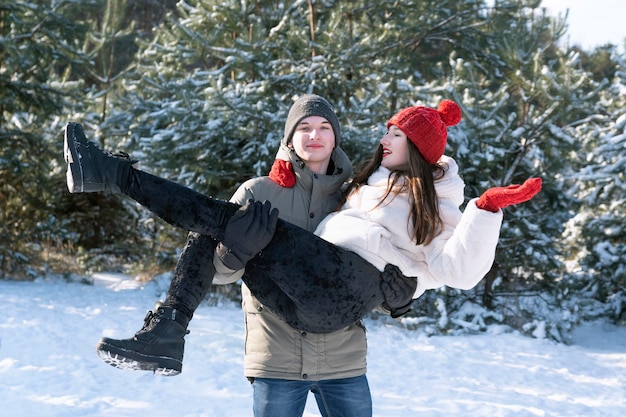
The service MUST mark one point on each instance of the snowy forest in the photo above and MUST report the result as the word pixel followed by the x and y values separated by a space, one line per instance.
pixel 198 91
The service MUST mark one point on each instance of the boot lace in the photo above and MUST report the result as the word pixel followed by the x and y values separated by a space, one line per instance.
pixel 149 321
pixel 152 318
pixel 122 155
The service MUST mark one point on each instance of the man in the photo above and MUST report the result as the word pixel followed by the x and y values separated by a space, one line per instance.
pixel 282 363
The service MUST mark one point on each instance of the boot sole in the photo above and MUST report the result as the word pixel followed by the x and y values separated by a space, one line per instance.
pixel 74 175
pixel 130 360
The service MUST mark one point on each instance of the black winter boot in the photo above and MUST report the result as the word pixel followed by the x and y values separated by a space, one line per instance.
pixel 89 169
pixel 157 347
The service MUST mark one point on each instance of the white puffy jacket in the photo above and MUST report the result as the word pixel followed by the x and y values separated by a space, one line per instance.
pixel 458 257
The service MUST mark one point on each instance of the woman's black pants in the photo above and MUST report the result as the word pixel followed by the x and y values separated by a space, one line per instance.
pixel 309 283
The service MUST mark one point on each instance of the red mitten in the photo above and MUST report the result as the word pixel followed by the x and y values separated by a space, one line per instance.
pixel 282 173
pixel 497 198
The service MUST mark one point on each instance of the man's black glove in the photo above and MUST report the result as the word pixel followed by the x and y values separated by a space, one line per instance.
pixel 398 290
pixel 249 230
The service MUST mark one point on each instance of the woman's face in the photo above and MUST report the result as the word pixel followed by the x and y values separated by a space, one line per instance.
pixel 395 150
pixel 314 141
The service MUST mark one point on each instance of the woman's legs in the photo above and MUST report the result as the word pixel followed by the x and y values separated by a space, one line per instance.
pixel 323 287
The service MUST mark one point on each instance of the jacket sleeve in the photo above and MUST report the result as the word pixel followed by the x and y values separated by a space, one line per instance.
pixel 463 253
pixel 223 274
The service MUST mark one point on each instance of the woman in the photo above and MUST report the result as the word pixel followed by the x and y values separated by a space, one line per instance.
pixel 403 181
pixel 404 205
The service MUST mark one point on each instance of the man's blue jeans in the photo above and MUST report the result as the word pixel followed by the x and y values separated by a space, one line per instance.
pixel 348 397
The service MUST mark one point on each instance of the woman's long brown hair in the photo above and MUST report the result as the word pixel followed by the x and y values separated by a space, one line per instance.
pixel 419 183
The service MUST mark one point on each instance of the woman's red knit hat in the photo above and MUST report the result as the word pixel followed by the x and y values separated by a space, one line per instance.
pixel 426 127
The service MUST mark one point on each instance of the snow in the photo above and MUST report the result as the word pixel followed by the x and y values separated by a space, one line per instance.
pixel 48 366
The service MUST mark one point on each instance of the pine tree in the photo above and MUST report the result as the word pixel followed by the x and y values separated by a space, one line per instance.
pixel 48 75
pixel 596 236
pixel 522 112
pixel 32 49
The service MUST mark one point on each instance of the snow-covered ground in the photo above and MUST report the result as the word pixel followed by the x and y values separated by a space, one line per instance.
pixel 49 328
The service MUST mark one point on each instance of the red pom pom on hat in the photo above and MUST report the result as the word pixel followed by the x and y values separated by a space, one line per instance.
pixel 426 127
pixel 450 112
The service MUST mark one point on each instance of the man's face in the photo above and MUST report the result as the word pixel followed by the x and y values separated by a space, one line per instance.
pixel 314 141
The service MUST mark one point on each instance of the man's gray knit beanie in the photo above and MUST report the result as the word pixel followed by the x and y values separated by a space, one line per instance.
pixel 310 105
